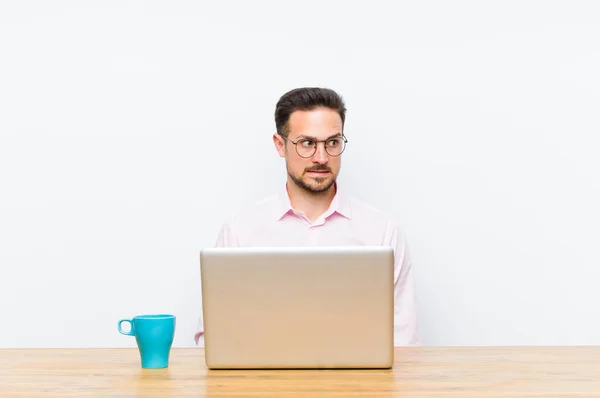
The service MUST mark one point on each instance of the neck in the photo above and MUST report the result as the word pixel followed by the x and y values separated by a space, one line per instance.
pixel 310 203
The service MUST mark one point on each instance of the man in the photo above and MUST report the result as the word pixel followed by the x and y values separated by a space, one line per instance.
pixel 311 209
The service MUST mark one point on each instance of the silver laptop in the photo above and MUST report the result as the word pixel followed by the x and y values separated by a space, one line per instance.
pixel 298 307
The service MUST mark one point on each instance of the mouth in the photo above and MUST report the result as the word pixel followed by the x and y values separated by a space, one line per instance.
pixel 320 173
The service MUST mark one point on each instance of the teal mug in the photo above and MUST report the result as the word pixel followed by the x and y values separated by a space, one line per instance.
pixel 154 336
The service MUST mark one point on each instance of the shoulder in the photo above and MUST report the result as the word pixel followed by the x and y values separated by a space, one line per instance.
pixel 362 210
pixel 252 212
pixel 376 219
pixel 241 223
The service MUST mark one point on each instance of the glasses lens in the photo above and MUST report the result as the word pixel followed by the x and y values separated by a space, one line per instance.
pixel 335 146
pixel 305 148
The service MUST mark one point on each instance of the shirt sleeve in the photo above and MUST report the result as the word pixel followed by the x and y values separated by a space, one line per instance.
pixel 226 238
pixel 405 309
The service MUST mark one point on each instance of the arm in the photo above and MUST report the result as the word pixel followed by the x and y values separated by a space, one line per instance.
pixel 405 309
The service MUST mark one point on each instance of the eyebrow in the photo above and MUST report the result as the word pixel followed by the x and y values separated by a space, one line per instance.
pixel 303 136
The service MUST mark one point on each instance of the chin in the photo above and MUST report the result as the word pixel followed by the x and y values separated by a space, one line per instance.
pixel 313 185
pixel 321 186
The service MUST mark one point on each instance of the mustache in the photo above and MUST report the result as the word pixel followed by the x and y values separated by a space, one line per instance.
pixel 318 168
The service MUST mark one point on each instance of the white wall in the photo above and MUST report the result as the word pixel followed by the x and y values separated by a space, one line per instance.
pixel 130 130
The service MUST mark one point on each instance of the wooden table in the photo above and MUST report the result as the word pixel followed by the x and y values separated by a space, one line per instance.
pixel 418 372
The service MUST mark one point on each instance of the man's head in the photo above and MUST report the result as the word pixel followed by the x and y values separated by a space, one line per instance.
pixel 310 127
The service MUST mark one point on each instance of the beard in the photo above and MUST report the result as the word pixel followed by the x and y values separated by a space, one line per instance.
pixel 320 185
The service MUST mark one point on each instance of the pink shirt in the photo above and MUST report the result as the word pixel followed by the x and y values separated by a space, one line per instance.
pixel 348 221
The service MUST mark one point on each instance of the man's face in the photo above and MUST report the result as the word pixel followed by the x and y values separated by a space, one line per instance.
pixel 317 173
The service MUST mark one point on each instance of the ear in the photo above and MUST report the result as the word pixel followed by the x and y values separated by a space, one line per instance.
pixel 279 144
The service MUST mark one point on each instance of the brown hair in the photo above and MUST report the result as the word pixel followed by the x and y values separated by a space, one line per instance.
pixel 306 99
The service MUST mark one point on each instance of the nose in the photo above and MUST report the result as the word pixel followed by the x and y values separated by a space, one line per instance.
pixel 321 156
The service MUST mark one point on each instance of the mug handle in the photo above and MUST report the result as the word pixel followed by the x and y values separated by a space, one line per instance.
pixel 131 331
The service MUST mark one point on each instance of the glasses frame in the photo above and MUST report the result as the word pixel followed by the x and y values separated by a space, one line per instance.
pixel 343 137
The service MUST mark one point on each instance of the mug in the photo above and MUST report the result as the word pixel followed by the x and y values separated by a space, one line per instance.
pixel 154 336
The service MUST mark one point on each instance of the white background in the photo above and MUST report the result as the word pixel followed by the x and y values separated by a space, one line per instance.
pixel 130 130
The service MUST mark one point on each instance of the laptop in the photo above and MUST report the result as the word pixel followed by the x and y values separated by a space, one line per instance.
pixel 298 307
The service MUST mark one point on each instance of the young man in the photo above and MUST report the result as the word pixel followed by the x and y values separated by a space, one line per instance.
pixel 311 209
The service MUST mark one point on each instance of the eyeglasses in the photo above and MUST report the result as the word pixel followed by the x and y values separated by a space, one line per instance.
pixel 307 147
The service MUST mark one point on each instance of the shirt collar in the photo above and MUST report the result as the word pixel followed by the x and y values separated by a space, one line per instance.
pixel 340 204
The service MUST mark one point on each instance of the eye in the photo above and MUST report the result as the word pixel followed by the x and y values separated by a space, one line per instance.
pixel 307 143
pixel 333 142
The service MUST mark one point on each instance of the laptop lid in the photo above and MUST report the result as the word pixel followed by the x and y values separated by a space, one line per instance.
pixel 298 307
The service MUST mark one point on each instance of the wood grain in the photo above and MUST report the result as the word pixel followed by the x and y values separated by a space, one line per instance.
pixel 418 372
